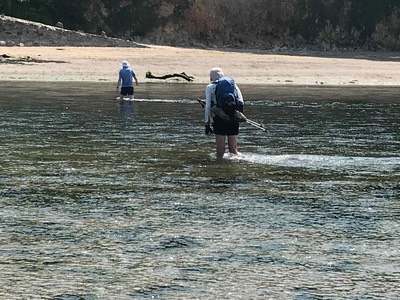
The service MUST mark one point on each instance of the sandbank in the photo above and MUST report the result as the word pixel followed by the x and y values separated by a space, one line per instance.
pixel 247 67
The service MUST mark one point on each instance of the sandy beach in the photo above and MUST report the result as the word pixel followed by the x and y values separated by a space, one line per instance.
pixel 247 67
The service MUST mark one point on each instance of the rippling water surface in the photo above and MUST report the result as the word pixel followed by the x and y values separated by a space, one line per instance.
pixel 103 200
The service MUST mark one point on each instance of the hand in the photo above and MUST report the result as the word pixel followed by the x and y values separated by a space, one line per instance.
pixel 208 130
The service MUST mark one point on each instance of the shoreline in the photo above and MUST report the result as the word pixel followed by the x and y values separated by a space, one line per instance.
pixel 101 64
pixel 192 91
pixel 32 80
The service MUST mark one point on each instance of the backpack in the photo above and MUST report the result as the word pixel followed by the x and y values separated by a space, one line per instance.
pixel 226 95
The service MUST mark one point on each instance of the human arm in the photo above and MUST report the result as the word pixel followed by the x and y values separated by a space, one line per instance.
pixel 240 99
pixel 136 81
pixel 210 93
pixel 119 82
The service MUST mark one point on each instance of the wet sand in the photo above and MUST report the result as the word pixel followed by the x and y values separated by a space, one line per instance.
pixel 247 67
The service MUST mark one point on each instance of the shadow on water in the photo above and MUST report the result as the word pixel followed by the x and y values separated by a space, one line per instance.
pixel 108 200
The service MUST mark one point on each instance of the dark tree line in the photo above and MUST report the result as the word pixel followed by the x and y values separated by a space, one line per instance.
pixel 344 22
pixel 47 11
pixel 368 24
pixel 85 15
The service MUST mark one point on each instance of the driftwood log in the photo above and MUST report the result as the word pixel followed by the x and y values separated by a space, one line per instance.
pixel 180 75
pixel 7 59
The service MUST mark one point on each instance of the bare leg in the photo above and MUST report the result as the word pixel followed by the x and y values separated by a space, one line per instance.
pixel 220 142
pixel 232 144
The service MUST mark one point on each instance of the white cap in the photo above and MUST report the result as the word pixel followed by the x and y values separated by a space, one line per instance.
pixel 125 63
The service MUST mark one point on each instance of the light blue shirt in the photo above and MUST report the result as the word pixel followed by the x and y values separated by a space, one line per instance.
pixel 126 74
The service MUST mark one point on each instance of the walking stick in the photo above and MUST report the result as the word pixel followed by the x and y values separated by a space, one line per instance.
pixel 238 116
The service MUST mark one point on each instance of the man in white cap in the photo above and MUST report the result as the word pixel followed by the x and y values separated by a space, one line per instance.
pixel 222 127
pixel 125 80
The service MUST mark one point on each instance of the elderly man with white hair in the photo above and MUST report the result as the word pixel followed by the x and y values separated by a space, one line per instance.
pixel 125 79
pixel 222 126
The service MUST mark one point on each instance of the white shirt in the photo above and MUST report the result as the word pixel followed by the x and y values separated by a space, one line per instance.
pixel 211 101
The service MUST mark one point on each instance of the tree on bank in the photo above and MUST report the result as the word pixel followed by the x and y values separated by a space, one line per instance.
pixel 321 24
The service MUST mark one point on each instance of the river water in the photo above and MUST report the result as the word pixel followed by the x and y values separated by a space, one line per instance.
pixel 103 200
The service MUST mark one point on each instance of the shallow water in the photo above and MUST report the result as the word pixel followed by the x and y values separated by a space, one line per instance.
pixel 103 200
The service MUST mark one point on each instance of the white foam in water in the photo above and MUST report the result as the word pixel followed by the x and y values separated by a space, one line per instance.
pixel 323 161
pixel 159 100
pixel 230 156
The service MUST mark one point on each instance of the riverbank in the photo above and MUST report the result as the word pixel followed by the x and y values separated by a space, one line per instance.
pixel 101 64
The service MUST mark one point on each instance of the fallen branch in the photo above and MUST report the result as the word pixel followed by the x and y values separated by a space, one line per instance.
pixel 181 75
pixel 7 59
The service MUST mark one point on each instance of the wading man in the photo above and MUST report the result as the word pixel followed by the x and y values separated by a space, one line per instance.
pixel 125 80
pixel 223 97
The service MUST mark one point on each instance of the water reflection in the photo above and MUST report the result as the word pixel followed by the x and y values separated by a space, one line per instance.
pixel 108 201
pixel 125 108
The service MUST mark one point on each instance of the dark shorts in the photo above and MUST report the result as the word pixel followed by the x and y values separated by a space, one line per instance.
pixel 222 127
pixel 127 91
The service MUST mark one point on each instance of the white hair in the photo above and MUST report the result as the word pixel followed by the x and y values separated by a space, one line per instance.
pixel 216 73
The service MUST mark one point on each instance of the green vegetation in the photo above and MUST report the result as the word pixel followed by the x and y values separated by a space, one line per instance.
pixel 324 24
pixel 136 20
pixel 341 23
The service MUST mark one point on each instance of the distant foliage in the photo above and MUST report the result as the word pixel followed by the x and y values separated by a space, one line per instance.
pixel 387 33
pixel 238 22
pixel 341 23
pixel 132 19
pixel 35 10
pixel 320 24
